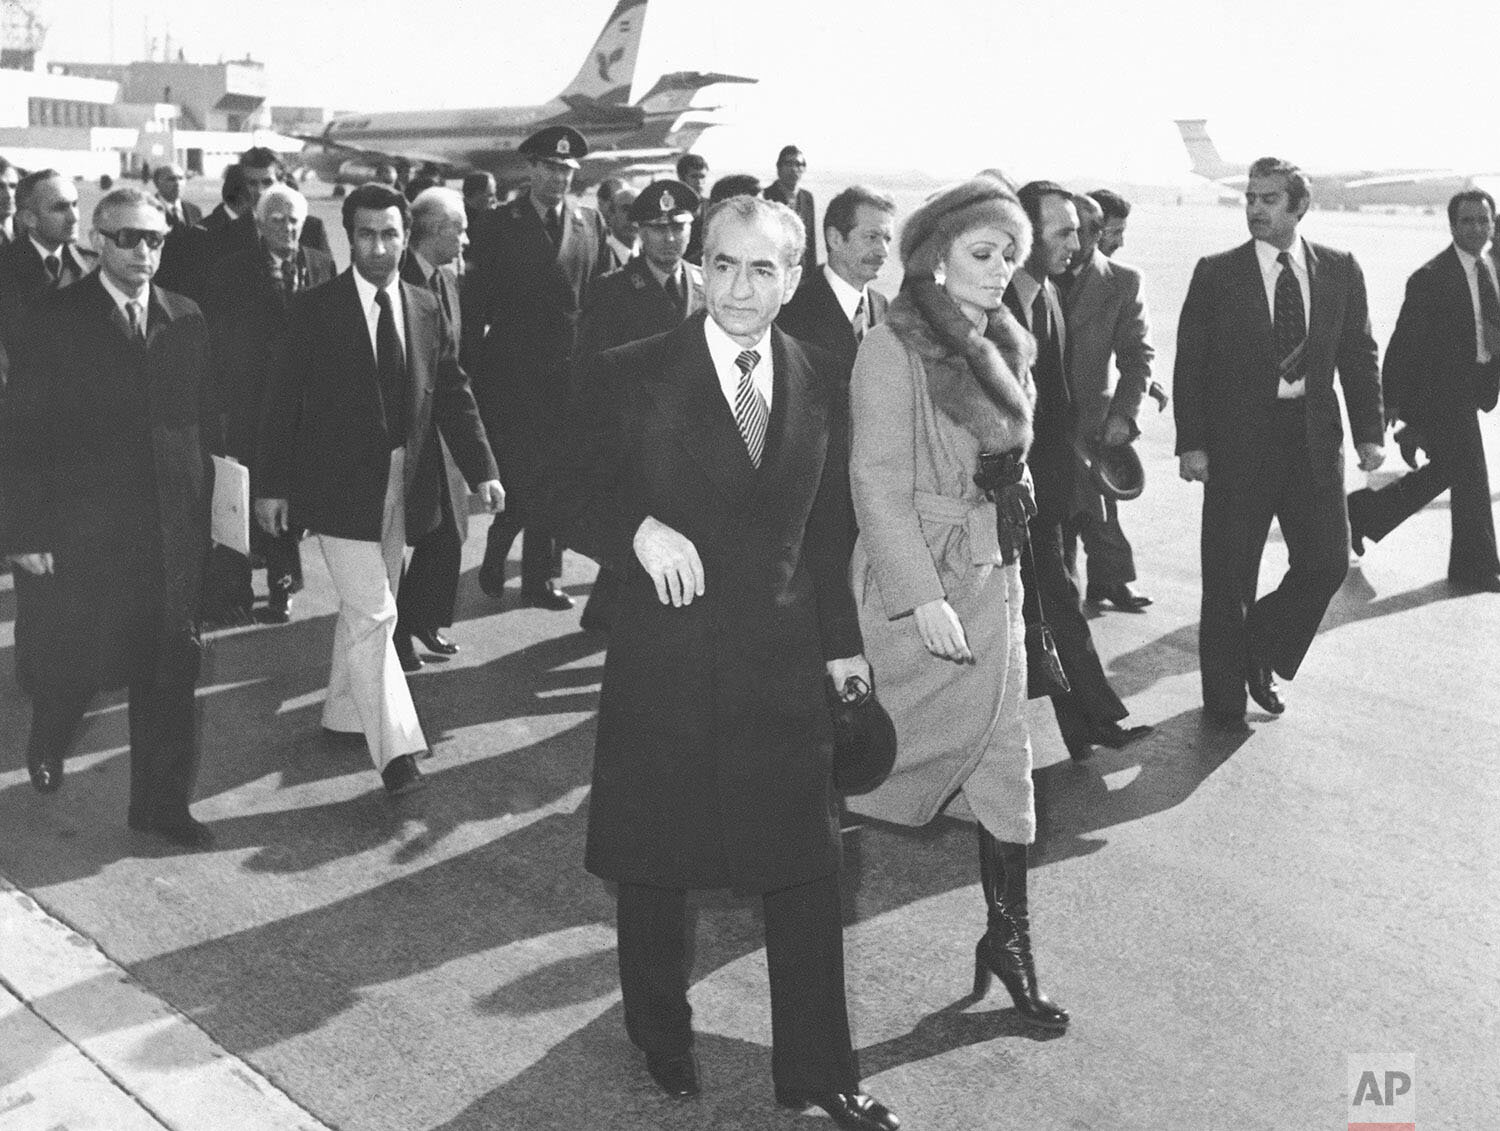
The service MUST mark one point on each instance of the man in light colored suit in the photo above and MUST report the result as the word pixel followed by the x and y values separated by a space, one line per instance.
pixel 1105 314
pixel 369 375
pixel 1263 329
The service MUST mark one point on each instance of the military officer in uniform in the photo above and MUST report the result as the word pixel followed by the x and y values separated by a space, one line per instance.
pixel 536 259
pixel 650 295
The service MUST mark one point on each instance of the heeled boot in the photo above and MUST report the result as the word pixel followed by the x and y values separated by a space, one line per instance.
pixel 1004 950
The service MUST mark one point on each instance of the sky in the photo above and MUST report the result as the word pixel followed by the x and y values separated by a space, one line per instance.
pixel 1039 87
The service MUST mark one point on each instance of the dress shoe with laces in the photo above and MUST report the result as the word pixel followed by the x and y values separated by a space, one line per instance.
pixel 46 772
pixel 1260 681
pixel 547 596
pixel 402 776
pixel 1121 596
pixel 435 642
pixel 185 832
pixel 675 1073
pixel 854 1110
pixel 407 654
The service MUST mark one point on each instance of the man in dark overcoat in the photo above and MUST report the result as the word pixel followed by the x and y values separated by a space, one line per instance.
pixel 535 260
pixel 105 486
pixel 246 304
pixel 1441 369
pixel 709 467
pixel 1263 328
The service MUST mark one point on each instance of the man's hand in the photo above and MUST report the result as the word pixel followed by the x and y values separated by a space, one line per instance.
pixel 37 564
pixel 1116 431
pixel 942 632
pixel 1193 466
pixel 1371 456
pixel 493 495
pixel 1158 394
pixel 671 560
pixel 272 514
pixel 840 670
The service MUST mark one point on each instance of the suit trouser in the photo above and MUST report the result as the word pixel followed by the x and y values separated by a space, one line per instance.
pixel 1237 512
pixel 811 1050
pixel 429 588
pixel 1092 701
pixel 36 623
pixel 1456 464
pixel 163 737
pixel 1111 560
pixel 367 689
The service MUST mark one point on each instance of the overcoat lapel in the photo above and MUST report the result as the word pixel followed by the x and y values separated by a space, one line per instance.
pixel 796 434
pixel 700 417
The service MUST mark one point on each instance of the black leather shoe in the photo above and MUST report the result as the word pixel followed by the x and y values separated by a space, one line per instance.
pixel 848 1109
pixel 402 776
pixel 548 596
pixel 1117 737
pixel 1260 681
pixel 410 661
pixel 278 608
pixel 492 579
pixel 1121 596
pixel 46 772
pixel 185 833
pixel 435 642
pixel 675 1073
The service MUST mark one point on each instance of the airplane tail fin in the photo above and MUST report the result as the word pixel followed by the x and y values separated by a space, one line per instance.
pixel 1202 150
pixel 609 69
pixel 674 92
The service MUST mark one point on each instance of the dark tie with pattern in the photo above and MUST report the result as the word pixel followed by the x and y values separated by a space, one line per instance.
pixel 750 411
pixel 133 316
pixel 1489 309
pixel 861 319
pixel 53 264
pixel 289 277
pixel 390 366
pixel 1290 322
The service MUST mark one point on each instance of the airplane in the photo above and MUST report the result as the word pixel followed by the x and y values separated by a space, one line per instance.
pixel 625 139
pixel 1420 188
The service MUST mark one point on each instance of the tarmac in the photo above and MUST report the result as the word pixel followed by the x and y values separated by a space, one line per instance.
pixel 1239 924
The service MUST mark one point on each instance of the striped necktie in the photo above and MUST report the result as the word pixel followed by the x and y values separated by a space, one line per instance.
pixel 750 411
pixel 861 319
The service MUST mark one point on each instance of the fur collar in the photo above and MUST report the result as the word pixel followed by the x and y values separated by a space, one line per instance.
pixel 982 383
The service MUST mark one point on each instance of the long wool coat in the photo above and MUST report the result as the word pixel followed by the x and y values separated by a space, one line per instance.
pixel 712 766
pixel 927 532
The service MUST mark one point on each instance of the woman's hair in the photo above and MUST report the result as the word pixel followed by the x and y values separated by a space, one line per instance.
pixel 983 201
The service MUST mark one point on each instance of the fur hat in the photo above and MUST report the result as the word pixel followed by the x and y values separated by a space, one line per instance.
pixel 984 201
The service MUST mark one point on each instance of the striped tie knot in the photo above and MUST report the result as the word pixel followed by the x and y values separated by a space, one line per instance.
pixel 750 411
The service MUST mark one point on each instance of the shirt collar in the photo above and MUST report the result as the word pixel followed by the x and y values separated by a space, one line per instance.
pixel 543 210
pixel 660 275
pixel 427 269
pixel 61 253
pixel 724 349
pixel 367 290
pixel 849 297
pixel 121 298
pixel 1266 253
pixel 1469 261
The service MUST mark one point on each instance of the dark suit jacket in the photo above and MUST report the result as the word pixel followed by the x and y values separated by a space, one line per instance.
pixel 814 315
pixel 1429 364
pixel 247 316
pixel 191 214
pixel 804 206
pixel 103 465
pixel 23 280
pixel 712 764
pixel 323 438
pixel 1225 377
pixel 217 218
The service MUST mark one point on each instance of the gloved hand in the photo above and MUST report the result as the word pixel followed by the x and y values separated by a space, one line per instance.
pixel 1015 505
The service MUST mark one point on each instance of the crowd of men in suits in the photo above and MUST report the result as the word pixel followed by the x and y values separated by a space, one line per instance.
pixel 577 357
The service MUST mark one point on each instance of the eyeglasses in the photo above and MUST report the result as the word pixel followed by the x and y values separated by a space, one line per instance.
pixel 128 238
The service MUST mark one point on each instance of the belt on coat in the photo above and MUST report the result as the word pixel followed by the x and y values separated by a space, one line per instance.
pixel 977 517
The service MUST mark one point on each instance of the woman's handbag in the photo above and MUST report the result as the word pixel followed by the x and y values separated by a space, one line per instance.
pixel 864 738
pixel 1044 670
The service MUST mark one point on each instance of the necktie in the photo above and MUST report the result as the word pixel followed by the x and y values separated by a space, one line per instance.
pixel 133 316
pixel 390 366
pixel 1489 309
pixel 750 411
pixel 1289 322
pixel 54 270
pixel 288 277
pixel 555 227
pixel 860 319
pixel 674 291
pixel 440 288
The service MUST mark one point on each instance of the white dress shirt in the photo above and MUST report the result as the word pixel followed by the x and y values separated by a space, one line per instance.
pixel 366 291
pixel 1472 264
pixel 1270 271
pixel 723 350
pixel 121 298
pixel 849 298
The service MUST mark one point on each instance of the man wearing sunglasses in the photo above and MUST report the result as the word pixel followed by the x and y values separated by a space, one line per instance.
pixel 104 486
pixel 44 256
